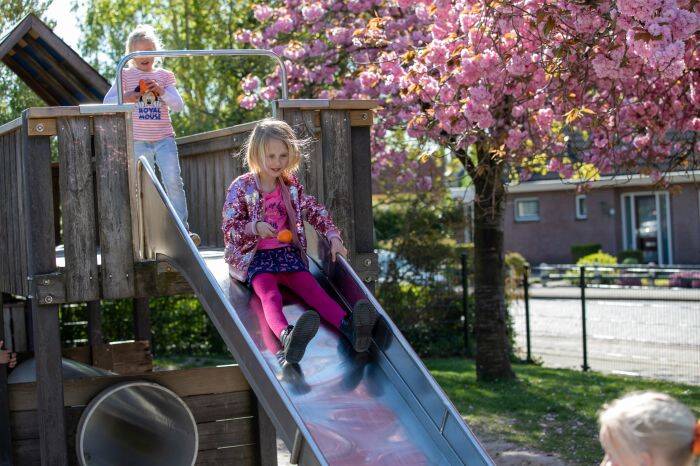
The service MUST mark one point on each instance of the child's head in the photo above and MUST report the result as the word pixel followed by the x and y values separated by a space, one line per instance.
pixel 649 429
pixel 144 37
pixel 273 149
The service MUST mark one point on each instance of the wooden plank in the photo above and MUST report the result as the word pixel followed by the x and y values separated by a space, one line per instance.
pixel 266 438
pixel 11 125
pixel 53 66
pixel 94 312
pixel 29 80
pixel 56 203
pixel 228 433
pixel 12 225
pixel 209 135
pixel 361 118
pixel 5 434
pixel 21 215
pixel 337 173
pixel 19 31
pixel 362 203
pixel 5 247
pixel 78 208
pixel 25 423
pixel 79 353
pixel 142 319
pixel 336 104
pixel 19 327
pixel 221 185
pixel 46 78
pixel 209 408
pixel 243 455
pixel 200 381
pixel 114 207
pixel 213 224
pixel 42 127
pixel 48 391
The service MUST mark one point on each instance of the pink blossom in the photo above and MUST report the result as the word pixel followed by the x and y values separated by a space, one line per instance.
pixel 262 12
pixel 312 13
pixel 544 118
pixel 268 92
pixel 248 102
pixel 250 83
pixel 368 79
pixel 515 137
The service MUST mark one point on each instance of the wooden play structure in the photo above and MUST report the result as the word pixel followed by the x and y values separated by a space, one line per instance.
pixel 66 179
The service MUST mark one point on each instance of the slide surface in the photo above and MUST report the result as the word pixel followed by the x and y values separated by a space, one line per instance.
pixel 336 407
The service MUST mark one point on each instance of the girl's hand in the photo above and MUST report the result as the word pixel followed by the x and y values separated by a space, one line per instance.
pixel 6 357
pixel 265 230
pixel 131 96
pixel 337 247
pixel 154 86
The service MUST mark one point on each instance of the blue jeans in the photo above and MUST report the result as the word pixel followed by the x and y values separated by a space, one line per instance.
pixel 163 154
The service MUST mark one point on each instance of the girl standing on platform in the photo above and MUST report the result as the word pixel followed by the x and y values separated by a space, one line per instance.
pixel 263 226
pixel 153 91
pixel 649 429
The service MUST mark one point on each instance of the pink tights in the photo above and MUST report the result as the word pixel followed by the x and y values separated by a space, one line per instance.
pixel 304 285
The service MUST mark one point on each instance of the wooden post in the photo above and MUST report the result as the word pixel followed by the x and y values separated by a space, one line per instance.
pixel 94 327
pixel 36 156
pixel 142 320
pixel 337 174
pixel 267 438
pixel 5 436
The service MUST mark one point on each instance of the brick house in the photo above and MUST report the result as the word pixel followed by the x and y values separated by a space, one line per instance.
pixel 544 218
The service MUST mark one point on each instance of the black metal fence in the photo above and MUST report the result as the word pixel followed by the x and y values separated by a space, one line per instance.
pixel 430 304
pixel 632 320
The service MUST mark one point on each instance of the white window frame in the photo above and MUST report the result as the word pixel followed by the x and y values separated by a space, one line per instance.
pixel 528 218
pixel 581 215
pixel 663 260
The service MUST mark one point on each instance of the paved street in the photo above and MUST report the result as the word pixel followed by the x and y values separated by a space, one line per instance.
pixel 657 339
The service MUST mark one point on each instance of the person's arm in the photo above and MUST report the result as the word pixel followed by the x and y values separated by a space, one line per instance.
pixel 317 215
pixel 112 98
pixel 173 99
pixel 236 226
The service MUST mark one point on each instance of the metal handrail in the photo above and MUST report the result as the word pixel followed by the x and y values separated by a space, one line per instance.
pixel 198 53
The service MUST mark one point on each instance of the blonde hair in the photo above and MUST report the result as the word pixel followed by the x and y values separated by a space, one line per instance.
pixel 649 421
pixel 265 131
pixel 142 33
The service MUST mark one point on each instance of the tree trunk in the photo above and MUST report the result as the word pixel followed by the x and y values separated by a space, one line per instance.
pixel 492 347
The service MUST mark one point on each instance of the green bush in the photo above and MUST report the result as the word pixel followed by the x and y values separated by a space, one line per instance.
pixel 515 264
pixel 630 256
pixel 598 258
pixel 580 250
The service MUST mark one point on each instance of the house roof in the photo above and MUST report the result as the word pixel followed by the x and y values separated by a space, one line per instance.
pixel 50 67
pixel 625 180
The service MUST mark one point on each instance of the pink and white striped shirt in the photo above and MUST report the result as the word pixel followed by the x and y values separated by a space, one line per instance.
pixel 151 117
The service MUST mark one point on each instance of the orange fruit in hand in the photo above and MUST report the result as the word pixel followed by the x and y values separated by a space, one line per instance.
pixel 143 87
pixel 284 236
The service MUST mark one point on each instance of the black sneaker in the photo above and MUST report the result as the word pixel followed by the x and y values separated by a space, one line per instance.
pixel 295 337
pixel 358 326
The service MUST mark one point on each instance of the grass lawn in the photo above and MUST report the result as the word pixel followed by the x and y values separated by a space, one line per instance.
pixel 551 410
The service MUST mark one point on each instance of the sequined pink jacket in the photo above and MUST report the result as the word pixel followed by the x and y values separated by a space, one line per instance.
pixel 245 206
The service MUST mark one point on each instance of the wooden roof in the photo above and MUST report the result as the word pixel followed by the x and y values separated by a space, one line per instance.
pixel 50 67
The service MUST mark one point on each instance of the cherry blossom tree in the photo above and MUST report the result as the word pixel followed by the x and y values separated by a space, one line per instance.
pixel 580 88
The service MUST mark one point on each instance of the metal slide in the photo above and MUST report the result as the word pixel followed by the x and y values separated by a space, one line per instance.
pixel 336 407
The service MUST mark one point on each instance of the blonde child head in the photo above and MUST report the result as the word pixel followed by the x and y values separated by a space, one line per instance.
pixel 265 131
pixel 143 37
pixel 650 429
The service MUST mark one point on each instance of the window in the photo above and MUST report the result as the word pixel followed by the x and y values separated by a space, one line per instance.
pixel 527 210
pixel 581 208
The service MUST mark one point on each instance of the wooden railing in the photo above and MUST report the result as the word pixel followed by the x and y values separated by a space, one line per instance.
pixel 13 233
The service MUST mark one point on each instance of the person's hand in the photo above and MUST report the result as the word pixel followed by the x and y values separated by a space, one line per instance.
pixel 6 357
pixel 154 86
pixel 265 230
pixel 337 247
pixel 131 96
